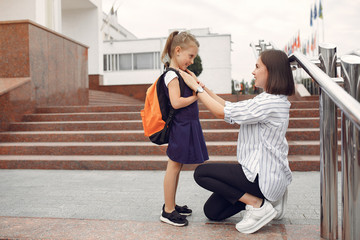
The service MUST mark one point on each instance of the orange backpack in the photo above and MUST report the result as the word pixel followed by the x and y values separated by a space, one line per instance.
pixel 158 113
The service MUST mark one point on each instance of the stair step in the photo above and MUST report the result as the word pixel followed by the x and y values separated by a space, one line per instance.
pixel 76 125
pixel 137 107
pixel 137 125
pixel 129 162
pixel 83 116
pixel 111 116
pixel 293 134
pixel 108 135
pixel 107 98
pixel 134 148
pixel 89 108
pixel 304 104
pixel 74 136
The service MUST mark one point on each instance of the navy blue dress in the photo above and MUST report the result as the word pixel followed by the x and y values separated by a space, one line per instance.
pixel 186 141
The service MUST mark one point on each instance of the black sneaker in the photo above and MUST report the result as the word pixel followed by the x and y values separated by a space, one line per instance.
pixel 173 218
pixel 183 210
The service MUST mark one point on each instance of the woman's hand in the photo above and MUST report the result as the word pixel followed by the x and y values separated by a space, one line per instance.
pixel 201 84
pixel 194 76
pixel 190 79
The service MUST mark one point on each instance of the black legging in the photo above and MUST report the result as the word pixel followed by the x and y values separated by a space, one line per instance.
pixel 228 183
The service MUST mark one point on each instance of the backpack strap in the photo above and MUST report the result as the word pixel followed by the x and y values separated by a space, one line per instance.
pixel 173 111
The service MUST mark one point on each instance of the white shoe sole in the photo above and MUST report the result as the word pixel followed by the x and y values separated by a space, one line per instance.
pixel 185 214
pixel 165 220
pixel 281 213
pixel 262 222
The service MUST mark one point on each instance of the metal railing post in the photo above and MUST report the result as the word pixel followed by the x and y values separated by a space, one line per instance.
pixel 328 149
pixel 350 164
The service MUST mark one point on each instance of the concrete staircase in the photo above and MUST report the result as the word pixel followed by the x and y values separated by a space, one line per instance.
pixel 107 135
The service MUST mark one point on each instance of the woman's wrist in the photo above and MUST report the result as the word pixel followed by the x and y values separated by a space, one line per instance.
pixel 195 87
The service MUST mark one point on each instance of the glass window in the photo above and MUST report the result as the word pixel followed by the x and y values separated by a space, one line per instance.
pixel 105 62
pixel 157 60
pixel 125 61
pixel 132 61
pixel 143 61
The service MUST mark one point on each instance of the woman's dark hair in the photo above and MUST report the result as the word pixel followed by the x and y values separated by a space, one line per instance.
pixel 280 78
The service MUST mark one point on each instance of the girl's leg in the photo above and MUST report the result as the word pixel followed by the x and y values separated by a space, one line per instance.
pixel 177 180
pixel 170 184
pixel 217 208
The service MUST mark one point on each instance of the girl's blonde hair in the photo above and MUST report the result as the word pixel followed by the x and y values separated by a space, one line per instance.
pixel 176 38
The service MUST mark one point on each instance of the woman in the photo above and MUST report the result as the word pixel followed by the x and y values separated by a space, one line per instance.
pixel 262 173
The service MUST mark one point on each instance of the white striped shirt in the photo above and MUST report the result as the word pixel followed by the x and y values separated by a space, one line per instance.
pixel 262 148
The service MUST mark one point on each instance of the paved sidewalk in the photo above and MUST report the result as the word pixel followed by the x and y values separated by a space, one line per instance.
pixel 72 204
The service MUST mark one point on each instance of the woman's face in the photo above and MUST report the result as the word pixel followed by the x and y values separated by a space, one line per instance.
pixel 260 74
pixel 185 57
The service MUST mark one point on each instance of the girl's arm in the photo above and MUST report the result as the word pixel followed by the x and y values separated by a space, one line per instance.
pixel 212 102
pixel 174 94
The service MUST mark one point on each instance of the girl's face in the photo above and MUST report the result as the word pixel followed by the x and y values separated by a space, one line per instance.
pixel 185 57
pixel 260 74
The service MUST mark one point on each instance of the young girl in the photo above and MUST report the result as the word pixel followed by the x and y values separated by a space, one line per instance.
pixel 263 172
pixel 186 141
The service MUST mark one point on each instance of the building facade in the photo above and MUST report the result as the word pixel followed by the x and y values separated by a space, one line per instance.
pixel 137 61
pixel 115 55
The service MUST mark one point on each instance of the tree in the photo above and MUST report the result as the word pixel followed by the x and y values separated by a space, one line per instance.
pixel 254 90
pixel 242 84
pixel 196 67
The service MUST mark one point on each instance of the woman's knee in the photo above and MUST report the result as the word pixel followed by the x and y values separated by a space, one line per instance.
pixel 198 173
pixel 211 213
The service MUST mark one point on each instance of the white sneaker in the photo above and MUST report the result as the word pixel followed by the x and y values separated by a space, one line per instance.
pixel 280 206
pixel 256 218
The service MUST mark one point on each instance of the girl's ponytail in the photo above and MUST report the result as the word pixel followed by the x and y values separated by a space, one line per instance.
pixel 176 38
pixel 166 54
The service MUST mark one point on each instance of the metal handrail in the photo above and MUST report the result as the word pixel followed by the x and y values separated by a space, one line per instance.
pixel 349 105
pixel 323 70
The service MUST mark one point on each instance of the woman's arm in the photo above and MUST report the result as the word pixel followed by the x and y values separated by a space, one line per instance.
pixel 214 104
pixel 174 94
pixel 214 96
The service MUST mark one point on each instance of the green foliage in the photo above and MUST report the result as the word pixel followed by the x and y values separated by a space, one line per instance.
pixel 243 90
pixel 196 67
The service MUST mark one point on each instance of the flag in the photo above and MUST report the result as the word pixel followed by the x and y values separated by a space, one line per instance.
pixel 298 40
pixel 307 46
pixel 320 10
pixel 289 48
pixel 312 42
pixel 315 12
pixel 311 17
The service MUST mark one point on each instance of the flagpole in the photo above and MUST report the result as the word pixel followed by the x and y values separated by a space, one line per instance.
pixel 316 30
pixel 323 28
pixel 323 24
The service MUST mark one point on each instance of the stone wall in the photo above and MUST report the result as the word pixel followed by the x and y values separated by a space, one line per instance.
pixel 56 64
